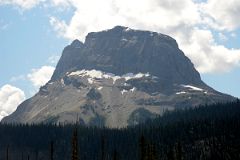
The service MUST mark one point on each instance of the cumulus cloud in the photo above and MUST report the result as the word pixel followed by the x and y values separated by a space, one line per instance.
pixel 176 18
pixel 61 3
pixel 94 15
pixel 59 26
pixel 10 98
pixel 23 4
pixel 190 22
pixel 222 15
pixel 206 54
pixel 40 76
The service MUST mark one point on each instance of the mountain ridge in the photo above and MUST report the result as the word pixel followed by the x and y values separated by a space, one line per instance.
pixel 117 77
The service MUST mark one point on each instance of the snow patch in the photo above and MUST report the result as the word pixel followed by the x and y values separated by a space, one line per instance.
pixel 128 29
pixel 129 76
pixel 99 88
pixel 154 77
pixel 124 91
pixel 95 74
pixel 90 80
pixel 133 89
pixel 111 76
pixel 182 92
pixel 62 81
pixel 193 88
pixel 124 39
pixel 90 73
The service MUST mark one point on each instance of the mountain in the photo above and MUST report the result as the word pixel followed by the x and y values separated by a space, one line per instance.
pixel 118 77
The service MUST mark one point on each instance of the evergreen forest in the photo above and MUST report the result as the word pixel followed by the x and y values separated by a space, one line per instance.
pixel 201 133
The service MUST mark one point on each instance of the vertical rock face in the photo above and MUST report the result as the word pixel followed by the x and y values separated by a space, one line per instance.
pixel 122 50
pixel 118 77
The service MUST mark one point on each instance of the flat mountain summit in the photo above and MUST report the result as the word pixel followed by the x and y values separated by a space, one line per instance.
pixel 116 78
pixel 122 50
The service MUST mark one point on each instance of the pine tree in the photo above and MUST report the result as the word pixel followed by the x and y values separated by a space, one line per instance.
pixel 7 153
pixel 179 154
pixel 22 155
pixel 238 101
pixel 102 148
pixel 36 155
pixel 148 152
pixel 51 150
pixel 171 153
pixel 115 155
pixel 75 145
pixel 142 148
pixel 151 152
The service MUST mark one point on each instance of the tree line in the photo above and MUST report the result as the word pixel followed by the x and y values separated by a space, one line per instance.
pixel 204 132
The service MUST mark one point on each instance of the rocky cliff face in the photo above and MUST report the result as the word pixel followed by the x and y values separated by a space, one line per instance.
pixel 118 77
pixel 122 50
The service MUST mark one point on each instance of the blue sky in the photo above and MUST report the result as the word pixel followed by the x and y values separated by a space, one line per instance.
pixel 26 43
pixel 33 34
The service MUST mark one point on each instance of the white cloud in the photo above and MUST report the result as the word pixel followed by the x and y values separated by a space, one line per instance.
pixel 41 76
pixel 64 3
pixel 206 54
pixel 38 77
pixel 10 98
pixel 95 15
pixel 222 14
pixel 59 26
pixel 190 22
pixel 176 18
pixel 23 4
